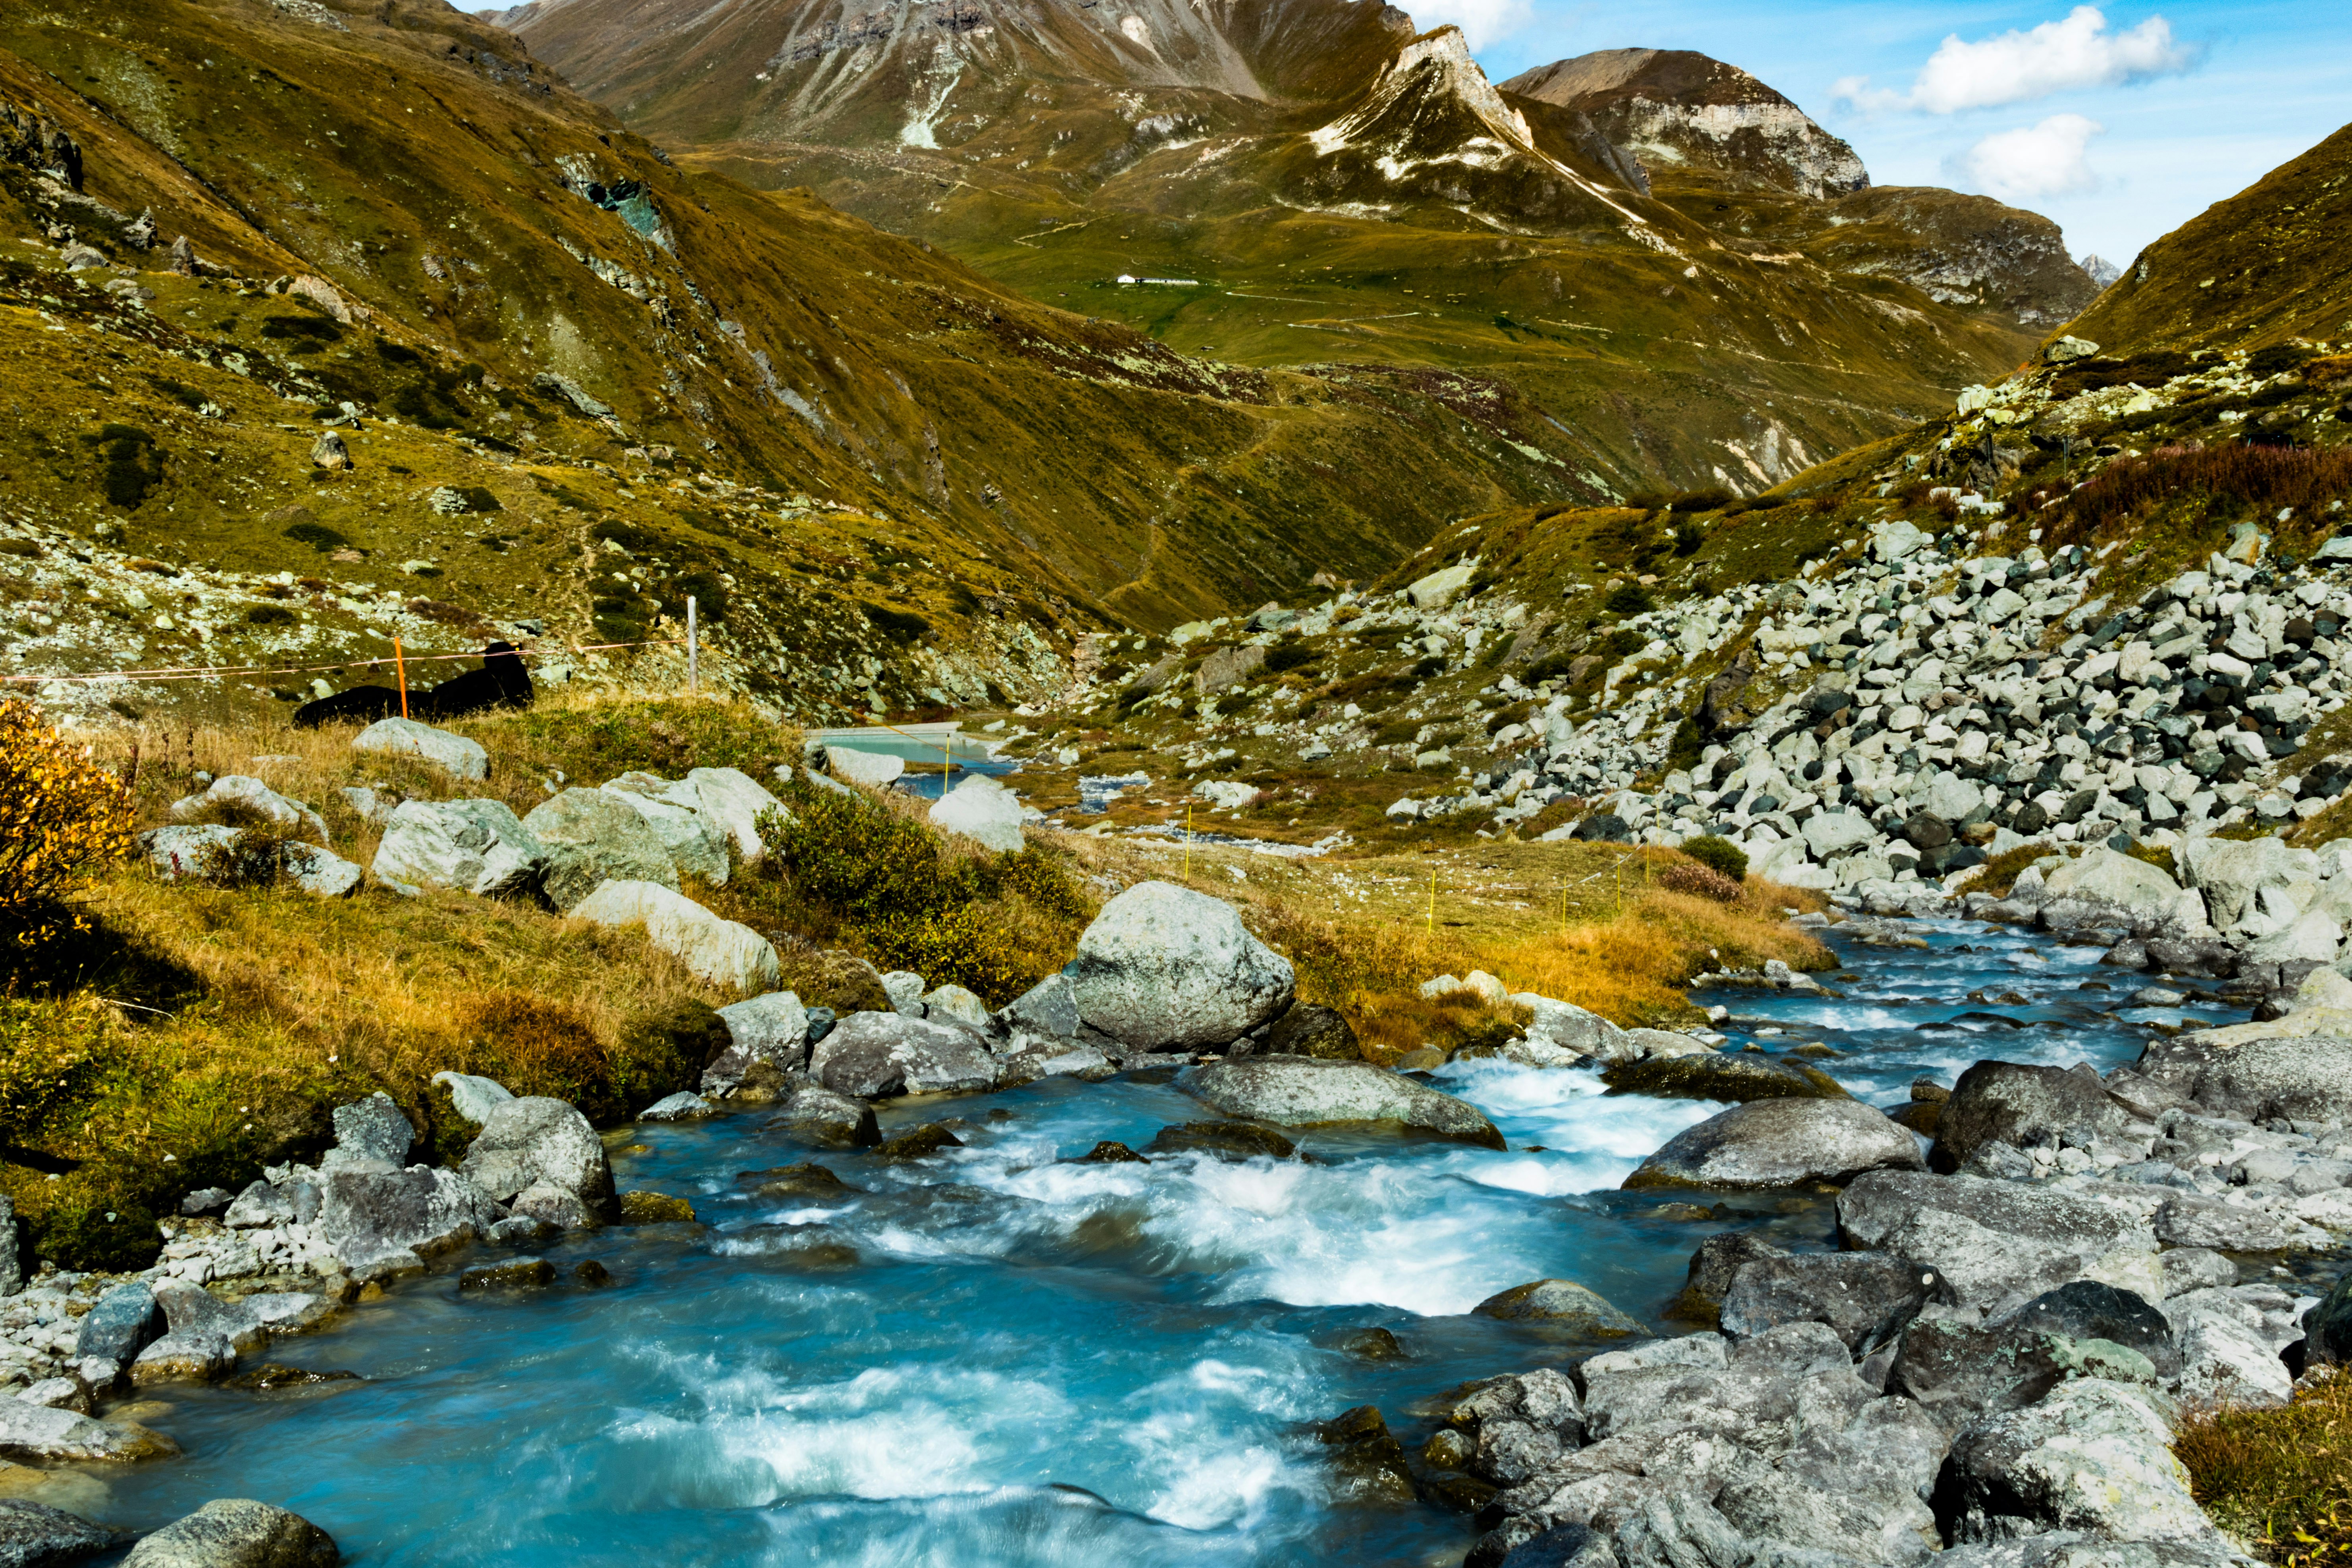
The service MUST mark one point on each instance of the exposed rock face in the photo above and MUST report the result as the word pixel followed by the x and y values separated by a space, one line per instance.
pixel 1781 1142
pixel 596 836
pixel 1301 1091
pixel 2020 1105
pixel 476 846
pixel 1998 1244
pixel 2307 1078
pixel 535 1141
pixel 1671 109
pixel 1163 967
pixel 398 1218
pixel 2092 1455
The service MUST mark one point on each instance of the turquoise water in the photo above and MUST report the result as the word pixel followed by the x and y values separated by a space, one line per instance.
pixel 1031 1362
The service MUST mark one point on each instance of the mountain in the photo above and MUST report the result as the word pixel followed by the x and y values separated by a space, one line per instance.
pixel 2101 271
pixel 1332 187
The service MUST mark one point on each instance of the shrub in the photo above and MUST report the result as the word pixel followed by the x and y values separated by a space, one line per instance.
pixel 269 616
pixel 2227 479
pixel 1721 855
pixel 50 1061
pixel 133 467
pixel 898 626
pixel 1629 599
pixel 62 820
pixel 253 858
pixel 1688 537
pixel 1714 499
pixel 1701 881
pixel 1290 656
pixel 709 595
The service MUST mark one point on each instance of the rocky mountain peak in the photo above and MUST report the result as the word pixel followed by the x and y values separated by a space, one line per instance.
pixel 1678 109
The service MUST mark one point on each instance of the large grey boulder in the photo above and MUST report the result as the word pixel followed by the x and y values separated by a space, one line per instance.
pixel 2092 1455
pixel 1780 1144
pixel 732 802
pixel 184 853
pixel 40 1433
pixel 2232 874
pixel 2305 1079
pixel 2231 1343
pixel 1303 1092
pixel 535 1146
pixel 2022 1105
pixel 1566 1031
pixel 34 1535
pixel 1562 1303
pixel 242 802
pixel 1516 1426
pixel 1166 968
pixel 476 846
pixel 982 810
pixel 236 1532
pixel 874 1055
pixel 1865 1297
pixel 453 754
pixel 395 1219
pixel 718 951
pixel 594 835
pixel 1870 1524
pixel 822 1120
pixel 671 808
pixel 1998 1244
pixel 125 1321
pixel 370 1134
pixel 2104 876
pixel 473 1096
pixel 767 1039
pixel 318 872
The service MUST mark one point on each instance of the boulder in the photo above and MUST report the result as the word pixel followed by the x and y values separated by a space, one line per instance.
pixel 2329 1326
pixel 2021 1105
pixel 1165 968
pixel 370 1134
pixel 1829 833
pixel 1959 1371
pixel 2092 1455
pixel 2231 1341
pixel 2194 1219
pixel 2307 1078
pixel 1301 1091
pixel 2000 1243
pixel 718 951
pixel 955 1005
pixel 453 754
pixel 1311 1030
pixel 2232 873
pixel 318 873
pixel 2104 876
pixel 982 810
pixel 34 1535
pixel 40 1434
pixel 476 846
pixel 1437 590
pixel 1712 1268
pixel 875 1055
pixel 683 1106
pixel 1571 1030
pixel 872 769
pixel 1562 1303
pixel 236 1532
pixel 1733 1079
pixel 821 1118
pixel 1865 1297
pixel 183 853
pixel 1780 1144
pixel 732 802
pixel 536 1141
pixel 398 1218
pixel 767 1039
pixel 696 847
pixel 242 801
pixel 472 1096
pixel 1048 1009
pixel 1221 1141
pixel 594 836
pixel 1862 1524
pixel 124 1321
pixel 1516 1426
pixel 2313 936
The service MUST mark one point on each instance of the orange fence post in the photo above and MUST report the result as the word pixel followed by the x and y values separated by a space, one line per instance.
pixel 400 672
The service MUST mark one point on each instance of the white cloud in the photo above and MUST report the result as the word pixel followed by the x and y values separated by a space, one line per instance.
pixel 2046 160
pixel 1482 21
pixel 2019 66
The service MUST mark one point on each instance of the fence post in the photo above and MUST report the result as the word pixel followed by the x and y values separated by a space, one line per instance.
pixel 400 673
pixel 691 669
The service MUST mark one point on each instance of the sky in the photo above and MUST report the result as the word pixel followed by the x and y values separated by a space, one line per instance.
pixel 2119 121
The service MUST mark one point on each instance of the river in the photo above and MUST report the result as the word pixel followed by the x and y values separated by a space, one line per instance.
pixel 998 1357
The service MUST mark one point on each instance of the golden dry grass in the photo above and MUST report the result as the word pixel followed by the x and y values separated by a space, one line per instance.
pixel 2280 1479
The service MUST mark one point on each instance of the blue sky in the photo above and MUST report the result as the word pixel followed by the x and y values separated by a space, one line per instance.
pixel 2121 124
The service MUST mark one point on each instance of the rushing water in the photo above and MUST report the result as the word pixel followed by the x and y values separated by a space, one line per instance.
pixel 996 1357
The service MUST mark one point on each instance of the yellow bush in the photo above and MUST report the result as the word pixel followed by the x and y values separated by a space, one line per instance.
pixel 62 820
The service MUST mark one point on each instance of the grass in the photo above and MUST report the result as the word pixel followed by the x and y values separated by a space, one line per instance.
pixel 2280 1479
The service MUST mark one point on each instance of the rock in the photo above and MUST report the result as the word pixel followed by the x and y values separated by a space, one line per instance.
pixel 2021 1105
pixel 1834 833
pixel 1734 1080
pixel 1780 1144
pixel 872 769
pixel 58 1394
pixel 249 803
pixel 982 810
pixel 38 1435
pixel 1562 1302
pixel 768 1037
pixel 1871 1525
pixel 1998 1244
pixel 2305 1079
pixel 534 1141
pixel 2103 876
pixel 2092 1455
pixel 473 1096
pixel 2185 1268
pixel 1164 968
pixel 694 843
pixel 370 1134
pixel 955 1005
pixel 236 1532
pixel 655 1208
pixel 2231 1343
pixel 1223 1141
pixel 1110 1152
pixel 1436 591
pixel 2313 936
pixel 1047 1008
pixel 592 837
pixel 917 1143
pixel 1517 1426
pixel 476 846
pixel 1959 1371
pixel 2191 1219
pixel 400 1218
pixel 1867 1299
pixel 905 989
pixel 820 1119
pixel 1894 540
pixel 2232 873
pixel 876 1055
pixel 720 952
pixel 683 1106
pixel 1571 1030
pixel 453 754
pixel 1300 1091
pixel 123 1322
pixel 2088 1309
pixel 34 1535
pixel 1368 1461
pixel 513 1274
pixel 1712 1268
pixel 1309 1029
pixel 1563 1546
pixel 315 871
pixel 183 853
pixel 521 1230
pixel 732 802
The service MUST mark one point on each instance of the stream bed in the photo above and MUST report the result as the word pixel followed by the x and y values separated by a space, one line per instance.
pixel 996 1357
